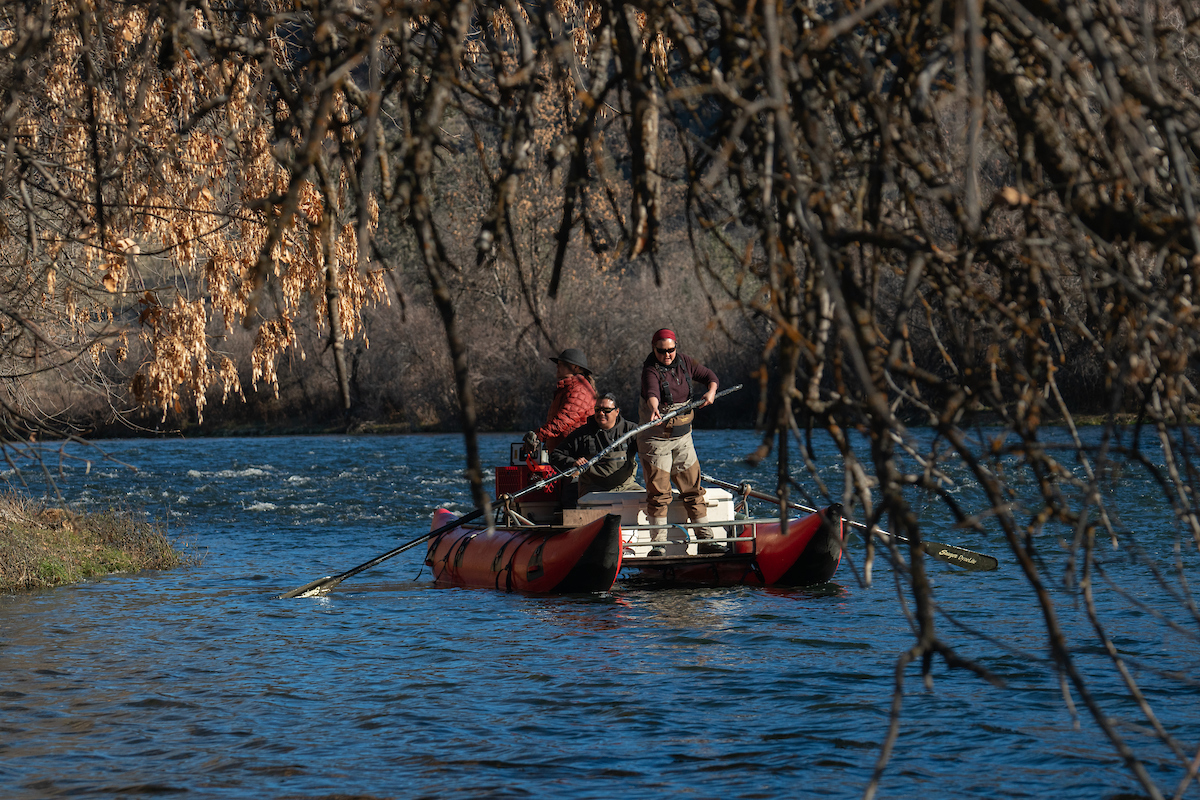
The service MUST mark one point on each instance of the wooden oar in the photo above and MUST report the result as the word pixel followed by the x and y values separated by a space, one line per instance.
pixel 322 585
pixel 969 559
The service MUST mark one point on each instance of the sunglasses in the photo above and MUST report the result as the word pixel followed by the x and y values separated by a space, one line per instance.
pixel 603 410
pixel 665 350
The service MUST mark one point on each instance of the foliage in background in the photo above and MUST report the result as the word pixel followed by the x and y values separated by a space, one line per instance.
pixel 976 215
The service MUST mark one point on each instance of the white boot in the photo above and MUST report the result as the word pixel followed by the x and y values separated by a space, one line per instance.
pixel 658 535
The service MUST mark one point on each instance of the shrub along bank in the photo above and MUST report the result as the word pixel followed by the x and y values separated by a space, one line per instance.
pixel 43 546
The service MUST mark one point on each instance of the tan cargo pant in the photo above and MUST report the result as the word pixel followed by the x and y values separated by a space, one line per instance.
pixel 667 460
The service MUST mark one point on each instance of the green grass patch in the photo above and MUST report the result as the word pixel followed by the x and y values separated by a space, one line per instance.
pixel 43 546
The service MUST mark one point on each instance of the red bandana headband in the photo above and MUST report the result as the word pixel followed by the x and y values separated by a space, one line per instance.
pixel 663 333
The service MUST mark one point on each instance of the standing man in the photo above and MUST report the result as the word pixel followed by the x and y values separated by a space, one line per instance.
pixel 617 471
pixel 666 451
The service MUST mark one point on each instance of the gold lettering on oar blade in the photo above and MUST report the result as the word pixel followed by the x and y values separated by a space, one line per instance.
pixel 958 556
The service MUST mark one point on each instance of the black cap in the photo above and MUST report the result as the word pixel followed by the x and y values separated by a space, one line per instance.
pixel 573 355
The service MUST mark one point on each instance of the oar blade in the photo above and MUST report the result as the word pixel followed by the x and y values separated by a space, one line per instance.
pixel 314 589
pixel 968 559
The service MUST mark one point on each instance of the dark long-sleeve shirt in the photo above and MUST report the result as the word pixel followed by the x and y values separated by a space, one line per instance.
pixel 589 439
pixel 678 377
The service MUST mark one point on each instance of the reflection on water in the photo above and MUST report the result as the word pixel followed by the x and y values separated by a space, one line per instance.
pixel 199 681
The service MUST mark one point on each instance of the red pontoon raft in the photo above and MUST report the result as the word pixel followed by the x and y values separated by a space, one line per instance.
pixel 541 546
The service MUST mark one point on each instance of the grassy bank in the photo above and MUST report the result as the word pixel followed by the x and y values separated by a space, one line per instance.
pixel 42 546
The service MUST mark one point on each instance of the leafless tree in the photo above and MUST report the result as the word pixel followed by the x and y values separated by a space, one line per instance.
pixel 939 214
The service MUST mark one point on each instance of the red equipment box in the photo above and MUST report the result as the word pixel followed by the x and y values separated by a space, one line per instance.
pixel 510 480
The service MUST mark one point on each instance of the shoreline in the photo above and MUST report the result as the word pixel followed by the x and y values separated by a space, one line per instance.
pixel 43 546
pixel 372 428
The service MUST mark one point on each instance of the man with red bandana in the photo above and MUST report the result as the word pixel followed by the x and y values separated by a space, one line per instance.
pixel 666 451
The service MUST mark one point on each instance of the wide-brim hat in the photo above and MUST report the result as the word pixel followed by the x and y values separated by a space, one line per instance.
pixel 575 356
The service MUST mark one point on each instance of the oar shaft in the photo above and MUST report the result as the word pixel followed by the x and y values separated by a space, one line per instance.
pixel 413 543
pixel 323 585
pixel 581 468
pixel 747 490
pixel 946 552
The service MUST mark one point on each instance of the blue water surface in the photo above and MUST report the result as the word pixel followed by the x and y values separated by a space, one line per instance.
pixel 200 682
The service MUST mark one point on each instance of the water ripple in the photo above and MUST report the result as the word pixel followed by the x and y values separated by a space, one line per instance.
pixel 199 682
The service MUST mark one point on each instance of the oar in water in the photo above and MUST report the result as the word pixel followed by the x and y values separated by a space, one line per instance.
pixel 946 552
pixel 322 585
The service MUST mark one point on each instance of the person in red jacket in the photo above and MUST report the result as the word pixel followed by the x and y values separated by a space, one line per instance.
pixel 574 400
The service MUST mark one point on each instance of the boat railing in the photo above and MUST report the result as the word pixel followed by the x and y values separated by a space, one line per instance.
pixel 737 531
pixel 741 531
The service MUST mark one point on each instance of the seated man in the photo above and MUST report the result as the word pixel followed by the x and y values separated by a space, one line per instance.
pixel 616 471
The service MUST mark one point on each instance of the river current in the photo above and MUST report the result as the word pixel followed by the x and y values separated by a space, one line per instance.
pixel 199 682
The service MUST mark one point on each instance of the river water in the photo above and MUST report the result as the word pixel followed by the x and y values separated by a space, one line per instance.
pixel 199 682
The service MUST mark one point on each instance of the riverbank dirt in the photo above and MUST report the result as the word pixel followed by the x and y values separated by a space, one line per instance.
pixel 42 546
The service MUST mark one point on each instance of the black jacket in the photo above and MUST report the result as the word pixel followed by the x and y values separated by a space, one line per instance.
pixel 588 440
